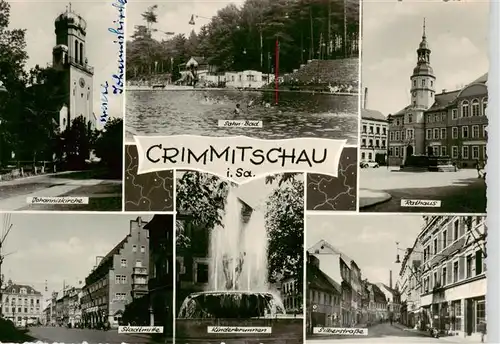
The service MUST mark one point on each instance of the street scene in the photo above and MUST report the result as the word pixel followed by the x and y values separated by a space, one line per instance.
pixel 398 278
pixel 60 286
pixel 428 143
pixel 61 133
pixel 293 66
pixel 239 256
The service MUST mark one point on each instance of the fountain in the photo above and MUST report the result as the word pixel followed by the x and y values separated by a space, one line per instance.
pixel 238 286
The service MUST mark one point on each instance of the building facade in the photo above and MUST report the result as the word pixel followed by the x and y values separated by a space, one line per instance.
pixel 323 297
pixel 117 279
pixel 374 134
pixel 453 282
pixel 22 304
pixel 344 271
pixel 291 296
pixel 69 56
pixel 450 124
pixel 161 278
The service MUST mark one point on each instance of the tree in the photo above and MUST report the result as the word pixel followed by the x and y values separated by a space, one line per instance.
pixel 285 225
pixel 245 38
pixel 108 146
pixel 76 141
pixel 202 197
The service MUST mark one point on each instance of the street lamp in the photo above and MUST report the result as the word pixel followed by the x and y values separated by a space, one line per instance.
pixel 398 261
pixel 192 22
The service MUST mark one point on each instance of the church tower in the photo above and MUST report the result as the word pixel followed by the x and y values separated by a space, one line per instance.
pixel 423 79
pixel 69 57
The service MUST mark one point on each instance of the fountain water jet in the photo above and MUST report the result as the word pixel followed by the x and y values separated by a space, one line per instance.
pixel 236 250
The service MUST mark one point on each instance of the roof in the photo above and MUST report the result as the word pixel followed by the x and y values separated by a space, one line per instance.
pixel 442 100
pixel 373 115
pixel 317 279
pixel 14 289
pixel 483 79
pixel 348 260
pixel 378 295
pixel 389 289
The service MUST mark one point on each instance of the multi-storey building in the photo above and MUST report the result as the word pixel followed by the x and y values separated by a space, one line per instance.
pixel 393 298
pixel 346 272
pixel 408 285
pixel 323 298
pixel 161 278
pixel 453 282
pixel 449 124
pixel 291 296
pixel 377 304
pixel 373 136
pixel 21 304
pixel 117 279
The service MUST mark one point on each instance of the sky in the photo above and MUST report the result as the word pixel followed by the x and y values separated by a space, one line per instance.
pixel 59 248
pixel 174 15
pixel 457 32
pixel 370 240
pixel 102 53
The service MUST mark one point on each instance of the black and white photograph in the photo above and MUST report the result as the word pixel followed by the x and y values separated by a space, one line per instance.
pixel 239 260
pixel 84 275
pixel 424 115
pixel 396 279
pixel 280 68
pixel 61 107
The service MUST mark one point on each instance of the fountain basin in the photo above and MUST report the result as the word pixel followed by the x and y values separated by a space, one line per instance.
pixel 231 305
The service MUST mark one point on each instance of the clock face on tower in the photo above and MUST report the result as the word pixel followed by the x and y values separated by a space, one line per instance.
pixel 82 83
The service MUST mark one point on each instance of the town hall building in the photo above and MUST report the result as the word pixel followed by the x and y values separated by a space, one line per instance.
pixel 447 124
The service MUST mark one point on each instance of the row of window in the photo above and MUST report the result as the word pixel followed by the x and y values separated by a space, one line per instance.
pixel 143 248
pixel 472 133
pixel 462 268
pixel 95 302
pixel 472 109
pixel 20 310
pixel 124 264
pixel 468 152
pixel 407 134
pixel 378 143
pixel 322 298
pixel 20 300
pixel 376 132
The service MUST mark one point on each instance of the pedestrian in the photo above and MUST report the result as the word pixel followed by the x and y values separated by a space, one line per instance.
pixel 478 168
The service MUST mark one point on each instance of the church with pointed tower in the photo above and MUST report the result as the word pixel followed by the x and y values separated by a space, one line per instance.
pixel 69 57
pixel 448 124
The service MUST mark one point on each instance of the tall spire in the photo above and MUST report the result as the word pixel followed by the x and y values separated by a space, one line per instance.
pixel 423 32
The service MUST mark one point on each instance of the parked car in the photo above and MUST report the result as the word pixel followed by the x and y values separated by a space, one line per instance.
pixel 369 164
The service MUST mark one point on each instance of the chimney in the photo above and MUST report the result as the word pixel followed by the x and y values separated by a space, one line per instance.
pixel 366 96
pixel 390 279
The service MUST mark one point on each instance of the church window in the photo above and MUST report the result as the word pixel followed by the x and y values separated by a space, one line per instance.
pixel 465 108
pixel 485 105
pixel 76 51
pixel 475 107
